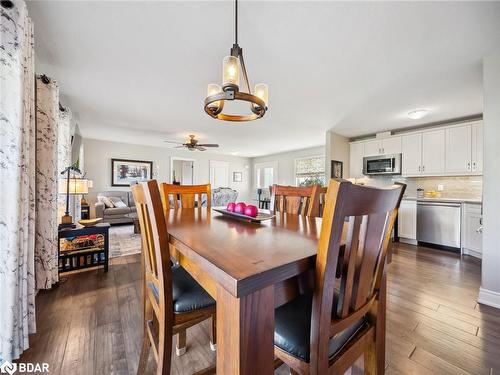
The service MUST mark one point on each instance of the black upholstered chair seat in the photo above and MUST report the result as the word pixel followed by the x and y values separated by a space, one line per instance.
pixel 292 329
pixel 188 295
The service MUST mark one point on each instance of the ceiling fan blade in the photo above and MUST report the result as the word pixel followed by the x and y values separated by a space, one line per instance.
pixel 179 143
pixel 199 148
pixel 191 148
pixel 181 146
pixel 209 145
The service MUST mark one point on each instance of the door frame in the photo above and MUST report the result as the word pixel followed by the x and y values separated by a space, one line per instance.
pixel 172 158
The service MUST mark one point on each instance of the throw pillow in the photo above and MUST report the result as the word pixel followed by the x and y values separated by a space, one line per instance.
pixel 107 202
pixel 117 202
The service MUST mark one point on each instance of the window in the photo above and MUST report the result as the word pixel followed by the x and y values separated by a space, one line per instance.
pixel 266 174
pixel 309 171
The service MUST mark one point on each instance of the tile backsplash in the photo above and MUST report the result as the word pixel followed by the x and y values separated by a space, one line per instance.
pixel 470 187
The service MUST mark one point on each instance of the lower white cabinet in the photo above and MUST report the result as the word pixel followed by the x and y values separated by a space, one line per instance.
pixel 472 236
pixel 407 220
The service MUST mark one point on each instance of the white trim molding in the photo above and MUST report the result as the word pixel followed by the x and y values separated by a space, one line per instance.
pixel 489 297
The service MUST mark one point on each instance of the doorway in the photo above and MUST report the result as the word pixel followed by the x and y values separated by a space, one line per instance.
pixel 182 171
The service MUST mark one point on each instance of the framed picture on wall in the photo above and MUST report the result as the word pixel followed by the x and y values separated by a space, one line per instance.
pixel 337 169
pixel 237 176
pixel 124 171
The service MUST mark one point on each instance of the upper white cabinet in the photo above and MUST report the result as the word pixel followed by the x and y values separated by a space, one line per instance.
pixel 477 147
pixel 357 151
pixel 373 148
pixel 433 146
pixel 385 146
pixel 459 149
pixel 391 145
pixel 411 146
pixel 448 150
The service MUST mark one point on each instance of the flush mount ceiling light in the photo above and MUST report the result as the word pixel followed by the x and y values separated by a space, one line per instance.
pixel 230 90
pixel 418 114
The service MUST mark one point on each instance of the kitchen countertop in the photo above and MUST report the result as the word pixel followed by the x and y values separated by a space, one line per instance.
pixel 444 199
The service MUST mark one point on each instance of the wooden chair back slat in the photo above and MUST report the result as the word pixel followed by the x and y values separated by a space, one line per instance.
pixel 357 272
pixel 303 200
pixel 190 196
pixel 154 237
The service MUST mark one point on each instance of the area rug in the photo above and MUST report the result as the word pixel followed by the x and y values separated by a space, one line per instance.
pixel 123 241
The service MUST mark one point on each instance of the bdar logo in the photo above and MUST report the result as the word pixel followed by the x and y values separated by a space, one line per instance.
pixel 7 368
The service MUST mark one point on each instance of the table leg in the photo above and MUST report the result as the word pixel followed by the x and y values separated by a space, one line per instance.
pixel 245 332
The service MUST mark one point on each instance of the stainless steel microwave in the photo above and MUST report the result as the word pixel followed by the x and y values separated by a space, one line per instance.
pixel 382 164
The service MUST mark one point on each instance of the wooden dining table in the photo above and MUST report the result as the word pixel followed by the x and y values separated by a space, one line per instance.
pixel 249 269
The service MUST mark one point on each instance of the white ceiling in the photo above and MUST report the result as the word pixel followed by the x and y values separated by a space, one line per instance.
pixel 137 71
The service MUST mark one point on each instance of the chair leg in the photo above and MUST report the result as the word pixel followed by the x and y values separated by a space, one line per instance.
pixel 180 349
pixel 375 354
pixel 146 344
pixel 213 334
pixel 143 359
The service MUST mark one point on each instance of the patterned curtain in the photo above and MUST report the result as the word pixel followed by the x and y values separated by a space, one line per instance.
pixel 17 180
pixel 47 175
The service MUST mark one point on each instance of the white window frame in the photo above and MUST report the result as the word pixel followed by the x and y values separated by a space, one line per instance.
pixel 261 166
pixel 304 158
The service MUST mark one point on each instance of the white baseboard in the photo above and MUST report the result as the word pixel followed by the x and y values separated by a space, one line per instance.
pixel 408 241
pixel 489 297
pixel 472 253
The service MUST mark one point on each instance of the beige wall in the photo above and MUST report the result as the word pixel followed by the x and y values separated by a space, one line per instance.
pixel 336 148
pixel 98 155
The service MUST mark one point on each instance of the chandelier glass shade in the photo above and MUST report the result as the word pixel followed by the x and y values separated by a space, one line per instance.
pixel 232 67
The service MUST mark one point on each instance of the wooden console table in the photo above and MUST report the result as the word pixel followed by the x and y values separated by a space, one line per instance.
pixel 86 247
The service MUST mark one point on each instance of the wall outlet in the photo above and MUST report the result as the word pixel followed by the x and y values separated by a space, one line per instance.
pixel 440 187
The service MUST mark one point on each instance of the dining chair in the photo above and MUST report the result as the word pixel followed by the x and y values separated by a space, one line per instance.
pixel 189 196
pixel 322 197
pixel 173 300
pixel 326 330
pixel 301 200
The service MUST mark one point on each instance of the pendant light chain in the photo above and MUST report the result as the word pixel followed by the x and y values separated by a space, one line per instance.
pixel 236 22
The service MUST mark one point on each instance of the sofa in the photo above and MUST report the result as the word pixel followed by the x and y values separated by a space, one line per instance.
pixel 115 215
pixel 222 196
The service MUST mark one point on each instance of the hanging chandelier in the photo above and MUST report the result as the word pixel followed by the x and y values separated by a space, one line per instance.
pixel 230 90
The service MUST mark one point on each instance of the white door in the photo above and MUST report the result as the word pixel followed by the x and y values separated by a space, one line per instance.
pixel 458 149
pixel 391 145
pixel 373 148
pixel 219 174
pixel 477 147
pixel 411 147
pixel 187 173
pixel 433 155
pixel 407 219
pixel 357 151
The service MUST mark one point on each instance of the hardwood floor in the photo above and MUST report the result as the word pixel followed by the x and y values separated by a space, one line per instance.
pixel 91 323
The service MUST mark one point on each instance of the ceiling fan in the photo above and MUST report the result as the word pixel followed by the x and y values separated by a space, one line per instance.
pixel 192 144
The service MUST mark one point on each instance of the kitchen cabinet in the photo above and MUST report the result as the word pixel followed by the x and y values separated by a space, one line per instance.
pixel 411 147
pixel 357 151
pixel 407 220
pixel 472 236
pixel 384 146
pixel 445 151
pixel 477 147
pixel 459 149
pixel 391 145
pixel 373 148
pixel 433 152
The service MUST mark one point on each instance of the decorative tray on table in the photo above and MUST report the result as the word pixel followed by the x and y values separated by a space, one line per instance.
pixel 260 217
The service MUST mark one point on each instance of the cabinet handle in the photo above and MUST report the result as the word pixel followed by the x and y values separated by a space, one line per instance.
pixel 479 230
pixel 423 168
pixel 419 168
pixel 474 166
pixel 468 166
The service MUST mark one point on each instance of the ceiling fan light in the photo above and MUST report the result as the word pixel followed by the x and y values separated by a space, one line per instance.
pixel 213 89
pixel 262 91
pixel 230 71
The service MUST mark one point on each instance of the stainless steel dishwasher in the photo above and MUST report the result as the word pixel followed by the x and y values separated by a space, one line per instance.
pixel 439 223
